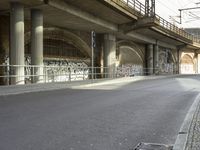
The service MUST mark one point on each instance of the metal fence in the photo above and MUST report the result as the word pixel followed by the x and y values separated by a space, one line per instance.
pixel 33 74
pixel 139 9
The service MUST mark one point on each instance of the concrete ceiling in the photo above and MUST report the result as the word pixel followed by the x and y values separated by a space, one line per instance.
pixel 56 17
pixel 62 19
pixel 93 8
pixel 158 36
pixel 99 9
pixel 5 4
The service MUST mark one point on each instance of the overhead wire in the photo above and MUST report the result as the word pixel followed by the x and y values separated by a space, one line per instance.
pixel 167 6
pixel 185 14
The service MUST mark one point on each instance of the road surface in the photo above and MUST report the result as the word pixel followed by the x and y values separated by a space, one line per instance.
pixel 115 116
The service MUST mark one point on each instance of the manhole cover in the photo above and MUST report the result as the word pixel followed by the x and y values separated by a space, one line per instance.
pixel 152 146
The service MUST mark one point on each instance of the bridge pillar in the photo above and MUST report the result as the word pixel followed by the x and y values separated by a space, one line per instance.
pixel 17 43
pixel 155 59
pixel 149 59
pixel 196 62
pixel 178 60
pixel 37 45
pixel 109 55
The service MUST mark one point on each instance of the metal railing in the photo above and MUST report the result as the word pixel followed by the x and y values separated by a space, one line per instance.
pixel 171 27
pixel 139 9
pixel 133 4
pixel 44 74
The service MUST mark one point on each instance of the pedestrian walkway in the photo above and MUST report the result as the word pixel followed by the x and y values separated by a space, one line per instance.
pixel 193 140
pixel 19 89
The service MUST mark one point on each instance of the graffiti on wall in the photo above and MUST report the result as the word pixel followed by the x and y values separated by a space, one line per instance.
pixel 130 70
pixel 54 70
pixel 165 63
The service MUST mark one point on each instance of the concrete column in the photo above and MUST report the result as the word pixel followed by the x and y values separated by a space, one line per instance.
pixel 37 45
pixel 196 62
pixel 155 59
pixel 178 61
pixel 1 67
pixel 109 55
pixel 17 43
pixel 149 59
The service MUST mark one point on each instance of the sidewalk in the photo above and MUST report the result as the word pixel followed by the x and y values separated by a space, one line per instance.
pixel 193 140
pixel 189 134
pixel 19 89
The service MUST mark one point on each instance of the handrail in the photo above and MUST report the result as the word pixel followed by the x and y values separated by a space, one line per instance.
pixel 134 4
pixel 169 26
pixel 45 74
pixel 140 8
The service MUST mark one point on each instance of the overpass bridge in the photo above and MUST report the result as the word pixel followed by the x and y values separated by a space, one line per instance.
pixel 39 34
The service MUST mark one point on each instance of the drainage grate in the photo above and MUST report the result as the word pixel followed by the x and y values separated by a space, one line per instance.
pixel 152 146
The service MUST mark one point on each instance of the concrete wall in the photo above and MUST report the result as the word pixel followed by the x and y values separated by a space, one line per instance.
pixel 167 61
pixel 4 44
pixel 4 35
pixel 131 55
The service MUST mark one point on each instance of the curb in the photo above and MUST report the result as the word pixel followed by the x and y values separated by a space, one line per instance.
pixel 182 138
pixel 118 80
pixel 43 87
pixel 9 90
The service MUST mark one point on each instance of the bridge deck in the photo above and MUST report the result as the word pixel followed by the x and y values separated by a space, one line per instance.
pixel 137 9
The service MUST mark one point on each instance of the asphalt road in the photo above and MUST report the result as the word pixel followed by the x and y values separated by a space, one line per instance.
pixel 104 117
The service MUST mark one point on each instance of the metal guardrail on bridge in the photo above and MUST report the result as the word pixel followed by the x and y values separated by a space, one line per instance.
pixel 140 9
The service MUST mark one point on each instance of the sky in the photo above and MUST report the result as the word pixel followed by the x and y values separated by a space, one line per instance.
pixel 168 9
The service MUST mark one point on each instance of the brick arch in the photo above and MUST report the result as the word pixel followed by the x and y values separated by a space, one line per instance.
pixel 60 34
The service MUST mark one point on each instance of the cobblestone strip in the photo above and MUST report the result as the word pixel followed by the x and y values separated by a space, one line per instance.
pixel 193 142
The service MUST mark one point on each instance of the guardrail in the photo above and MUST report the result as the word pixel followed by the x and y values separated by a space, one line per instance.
pixel 140 9
pixel 136 5
pixel 45 74
pixel 171 27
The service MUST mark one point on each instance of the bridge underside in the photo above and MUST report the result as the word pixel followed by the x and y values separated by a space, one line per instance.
pixel 121 40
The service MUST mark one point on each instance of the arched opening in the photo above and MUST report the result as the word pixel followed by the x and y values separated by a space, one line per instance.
pixel 65 55
pixel 60 43
pixel 128 55
pixel 187 63
pixel 130 58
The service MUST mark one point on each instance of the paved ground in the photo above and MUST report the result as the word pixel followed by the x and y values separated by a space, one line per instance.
pixel 17 89
pixel 112 116
pixel 193 142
